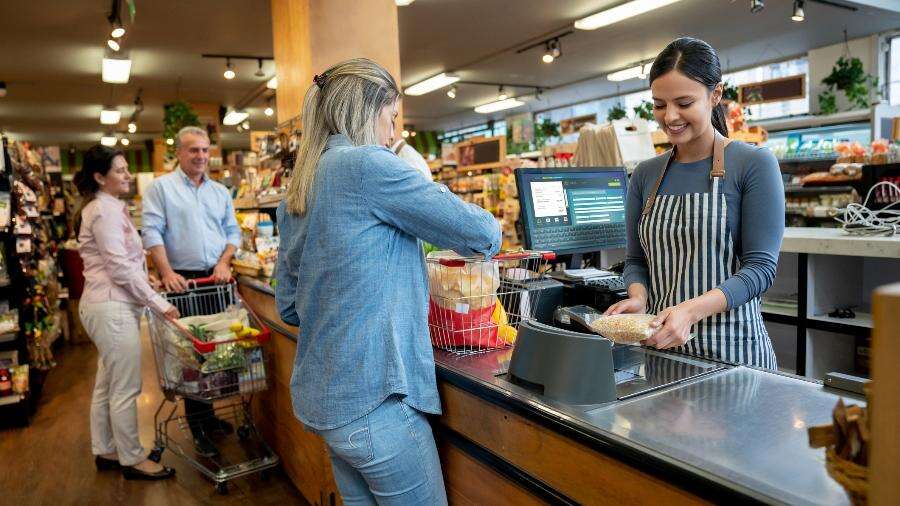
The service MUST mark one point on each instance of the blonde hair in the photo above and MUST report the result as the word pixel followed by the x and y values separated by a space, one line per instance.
pixel 345 99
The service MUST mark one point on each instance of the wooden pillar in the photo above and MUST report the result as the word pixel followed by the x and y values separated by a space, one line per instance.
pixel 885 487
pixel 311 35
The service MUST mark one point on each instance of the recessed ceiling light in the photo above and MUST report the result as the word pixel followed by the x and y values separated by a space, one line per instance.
pixel 108 140
pixel 432 83
pixel 113 44
pixel 132 127
pixel 118 31
pixel 498 105
pixel 268 111
pixel 170 141
pixel 619 13
pixel 404 134
pixel 234 117
pixel 125 141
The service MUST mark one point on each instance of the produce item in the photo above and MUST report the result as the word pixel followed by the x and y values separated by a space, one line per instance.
pixel 225 356
pixel 848 446
pixel 505 331
pixel 624 328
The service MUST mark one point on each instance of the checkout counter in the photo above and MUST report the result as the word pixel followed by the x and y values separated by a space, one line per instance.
pixel 680 429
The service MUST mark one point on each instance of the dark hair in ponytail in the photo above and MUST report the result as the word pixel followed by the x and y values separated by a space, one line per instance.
pixel 97 160
pixel 697 60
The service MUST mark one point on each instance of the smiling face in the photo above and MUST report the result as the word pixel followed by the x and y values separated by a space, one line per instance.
pixel 117 181
pixel 683 107
pixel 385 127
pixel 193 155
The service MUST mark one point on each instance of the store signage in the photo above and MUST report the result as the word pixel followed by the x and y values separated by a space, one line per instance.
pixel 481 153
pixel 773 90
pixel 573 125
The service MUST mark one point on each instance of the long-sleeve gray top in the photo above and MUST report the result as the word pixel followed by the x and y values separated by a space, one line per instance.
pixel 754 195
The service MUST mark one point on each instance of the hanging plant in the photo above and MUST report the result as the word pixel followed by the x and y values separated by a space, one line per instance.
pixel 730 92
pixel 847 76
pixel 617 112
pixel 177 115
pixel 644 110
pixel 545 131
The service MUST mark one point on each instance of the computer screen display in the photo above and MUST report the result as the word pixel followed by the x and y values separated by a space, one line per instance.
pixel 573 210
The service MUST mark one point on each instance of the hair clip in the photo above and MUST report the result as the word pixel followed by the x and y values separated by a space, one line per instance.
pixel 319 80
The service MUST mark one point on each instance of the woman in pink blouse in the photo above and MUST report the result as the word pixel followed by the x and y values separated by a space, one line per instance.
pixel 116 290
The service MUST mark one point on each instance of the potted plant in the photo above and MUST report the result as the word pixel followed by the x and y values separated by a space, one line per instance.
pixel 617 112
pixel 847 76
pixel 544 131
pixel 177 115
pixel 644 110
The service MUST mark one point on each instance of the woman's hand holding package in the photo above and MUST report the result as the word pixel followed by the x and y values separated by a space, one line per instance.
pixel 673 327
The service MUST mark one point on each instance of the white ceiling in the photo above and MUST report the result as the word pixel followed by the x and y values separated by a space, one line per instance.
pixel 52 51
pixel 484 47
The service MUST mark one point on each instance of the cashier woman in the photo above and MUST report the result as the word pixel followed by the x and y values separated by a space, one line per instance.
pixel 704 220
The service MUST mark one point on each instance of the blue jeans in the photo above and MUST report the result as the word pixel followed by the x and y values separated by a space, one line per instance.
pixel 386 457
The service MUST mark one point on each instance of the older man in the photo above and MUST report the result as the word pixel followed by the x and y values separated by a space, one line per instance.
pixel 190 229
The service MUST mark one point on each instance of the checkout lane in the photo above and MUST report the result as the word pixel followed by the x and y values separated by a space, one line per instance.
pixel 735 433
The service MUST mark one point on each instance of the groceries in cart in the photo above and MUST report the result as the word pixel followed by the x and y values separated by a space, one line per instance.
pixel 477 304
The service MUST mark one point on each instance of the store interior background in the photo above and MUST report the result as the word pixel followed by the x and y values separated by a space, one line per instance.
pixel 52 95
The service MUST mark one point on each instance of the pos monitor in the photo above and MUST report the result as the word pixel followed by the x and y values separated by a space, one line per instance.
pixel 573 210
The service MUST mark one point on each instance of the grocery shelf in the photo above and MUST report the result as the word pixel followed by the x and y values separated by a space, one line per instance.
pixel 11 399
pixel 810 120
pixel 8 336
pixel 790 188
pixel 779 309
pixel 860 322
pixel 808 159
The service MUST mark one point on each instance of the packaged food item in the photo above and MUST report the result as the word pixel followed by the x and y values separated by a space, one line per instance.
pixel 6 387
pixel 20 379
pixel 624 328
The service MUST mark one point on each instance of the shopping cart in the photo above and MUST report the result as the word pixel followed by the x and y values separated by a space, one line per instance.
pixel 213 353
pixel 476 305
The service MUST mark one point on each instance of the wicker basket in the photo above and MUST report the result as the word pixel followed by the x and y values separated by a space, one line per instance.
pixel 852 476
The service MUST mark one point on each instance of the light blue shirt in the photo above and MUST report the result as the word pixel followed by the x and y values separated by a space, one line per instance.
pixel 352 276
pixel 195 223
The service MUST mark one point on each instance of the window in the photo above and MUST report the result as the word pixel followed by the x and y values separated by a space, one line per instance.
pixel 774 71
pixel 893 71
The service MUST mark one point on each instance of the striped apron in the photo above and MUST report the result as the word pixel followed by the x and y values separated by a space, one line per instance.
pixel 690 251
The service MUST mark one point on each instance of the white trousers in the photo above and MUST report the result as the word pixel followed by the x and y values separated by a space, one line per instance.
pixel 115 328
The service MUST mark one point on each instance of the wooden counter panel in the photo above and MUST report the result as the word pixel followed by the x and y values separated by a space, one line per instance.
pixel 303 455
pixel 468 481
pixel 565 465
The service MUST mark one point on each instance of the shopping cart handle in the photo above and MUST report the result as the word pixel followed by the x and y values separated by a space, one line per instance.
pixel 209 280
pixel 521 255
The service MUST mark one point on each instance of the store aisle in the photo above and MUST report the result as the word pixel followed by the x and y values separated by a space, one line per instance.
pixel 50 462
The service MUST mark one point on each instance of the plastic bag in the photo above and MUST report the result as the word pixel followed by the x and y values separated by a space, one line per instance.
pixel 624 328
pixel 463 287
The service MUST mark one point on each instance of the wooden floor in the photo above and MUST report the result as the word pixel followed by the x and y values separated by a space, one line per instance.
pixel 50 462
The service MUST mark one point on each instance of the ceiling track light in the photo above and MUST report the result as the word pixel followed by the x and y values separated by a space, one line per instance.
pixel 229 70
pixel 548 55
pixel 757 6
pixel 501 94
pixel 798 16
pixel 259 72
pixel 452 91
pixel 268 111
pixel 117 29
pixel 113 44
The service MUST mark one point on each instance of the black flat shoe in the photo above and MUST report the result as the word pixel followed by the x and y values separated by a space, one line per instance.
pixel 130 473
pixel 106 464
pixel 204 446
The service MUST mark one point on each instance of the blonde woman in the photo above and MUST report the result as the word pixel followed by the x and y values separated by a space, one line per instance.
pixel 351 276
pixel 116 290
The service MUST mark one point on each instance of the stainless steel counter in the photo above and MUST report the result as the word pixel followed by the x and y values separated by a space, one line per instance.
pixel 741 428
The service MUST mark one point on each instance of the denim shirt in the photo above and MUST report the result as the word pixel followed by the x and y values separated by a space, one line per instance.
pixel 351 275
